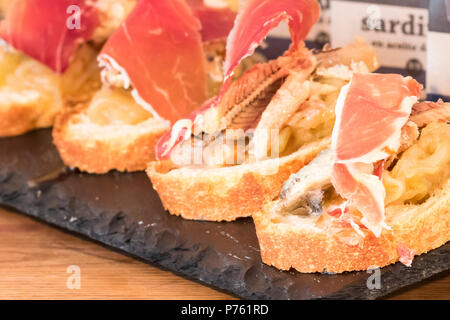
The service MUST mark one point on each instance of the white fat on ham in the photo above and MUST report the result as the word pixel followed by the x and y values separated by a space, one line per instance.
pixel 112 73
pixel 338 111
pixel 368 101
pixel 217 4
pixel 182 128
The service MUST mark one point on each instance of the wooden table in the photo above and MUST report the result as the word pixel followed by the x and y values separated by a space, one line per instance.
pixel 35 257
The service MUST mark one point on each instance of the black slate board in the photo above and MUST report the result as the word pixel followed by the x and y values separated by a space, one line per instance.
pixel 123 211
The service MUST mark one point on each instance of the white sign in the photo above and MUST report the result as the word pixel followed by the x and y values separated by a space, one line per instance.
pixel 438 75
pixel 320 32
pixel 398 33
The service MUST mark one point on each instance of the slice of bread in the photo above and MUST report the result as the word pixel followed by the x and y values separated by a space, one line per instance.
pixel 302 244
pixel 303 231
pixel 19 115
pixel 31 95
pixel 110 132
pixel 226 193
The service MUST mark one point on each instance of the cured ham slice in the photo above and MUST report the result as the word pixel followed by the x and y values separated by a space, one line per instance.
pixel 363 190
pixel 369 121
pixel 370 114
pixel 48 30
pixel 252 25
pixel 406 254
pixel 259 17
pixel 216 22
pixel 158 50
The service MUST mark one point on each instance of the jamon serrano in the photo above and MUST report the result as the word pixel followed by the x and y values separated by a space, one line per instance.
pixel 48 30
pixel 370 114
pixel 216 22
pixel 258 18
pixel 158 50
pixel 373 133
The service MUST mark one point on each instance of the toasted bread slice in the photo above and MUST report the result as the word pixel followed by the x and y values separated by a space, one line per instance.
pixel 226 193
pixel 31 95
pixel 306 232
pixel 300 244
pixel 110 132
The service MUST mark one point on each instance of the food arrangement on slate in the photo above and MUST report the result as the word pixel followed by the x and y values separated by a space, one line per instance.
pixel 287 177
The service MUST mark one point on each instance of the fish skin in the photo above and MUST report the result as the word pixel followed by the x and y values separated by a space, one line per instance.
pixel 426 112
pixel 314 176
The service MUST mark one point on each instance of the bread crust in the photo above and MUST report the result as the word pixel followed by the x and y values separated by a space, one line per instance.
pixel 33 95
pixel 420 227
pixel 98 149
pixel 225 194
pixel 17 119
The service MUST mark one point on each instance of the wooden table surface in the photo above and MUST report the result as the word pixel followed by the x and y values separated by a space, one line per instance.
pixel 35 257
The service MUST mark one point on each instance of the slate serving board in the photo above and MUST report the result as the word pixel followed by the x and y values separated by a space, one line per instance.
pixel 123 211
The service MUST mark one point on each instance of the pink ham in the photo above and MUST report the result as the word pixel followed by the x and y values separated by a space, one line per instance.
pixel 258 18
pixel 370 114
pixel 363 190
pixel 216 22
pixel 252 25
pixel 369 120
pixel 406 254
pixel 46 31
pixel 159 48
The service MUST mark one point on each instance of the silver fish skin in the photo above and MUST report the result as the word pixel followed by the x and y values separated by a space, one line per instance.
pixel 304 188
